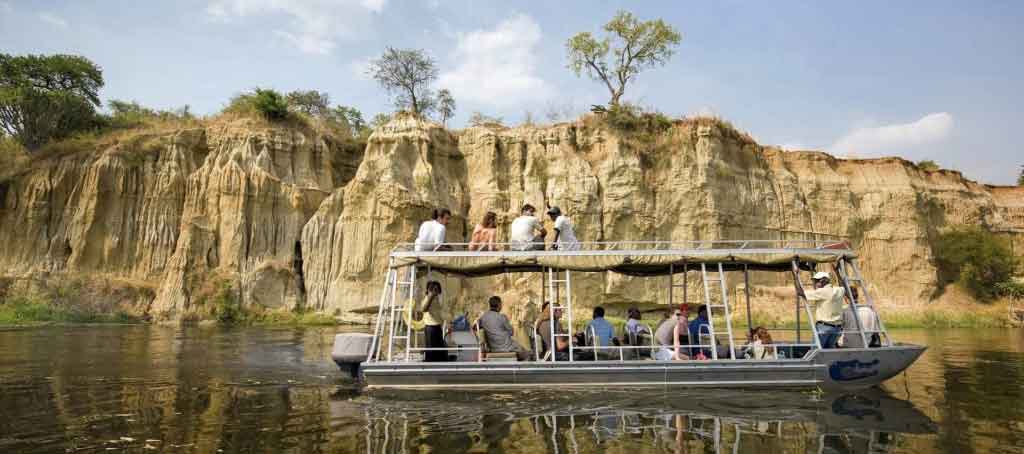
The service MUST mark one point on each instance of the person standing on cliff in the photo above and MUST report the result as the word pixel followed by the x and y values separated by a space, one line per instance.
pixel 527 232
pixel 432 233
pixel 565 236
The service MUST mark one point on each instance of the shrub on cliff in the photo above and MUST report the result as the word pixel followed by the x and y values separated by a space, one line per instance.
pixel 131 114
pixel 265 103
pixel 47 97
pixel 977 259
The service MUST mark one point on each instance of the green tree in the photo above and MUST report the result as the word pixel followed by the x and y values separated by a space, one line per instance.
pixel 406 74
pixel 632 46
pixel 928 165
pixel 379 120
pixel 976 258
pixel 479 119
pixel 354 118
pixel 47 97
pixel 1020 178
pixel 445 105
pixel 310 102
pixel 267 103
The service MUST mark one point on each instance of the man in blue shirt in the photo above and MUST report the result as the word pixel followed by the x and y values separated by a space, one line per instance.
pixel 698 326
pixel 603 330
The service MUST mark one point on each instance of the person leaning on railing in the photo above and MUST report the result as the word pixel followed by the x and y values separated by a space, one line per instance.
pixel 484 234
pixel 828 307
pixel 527 232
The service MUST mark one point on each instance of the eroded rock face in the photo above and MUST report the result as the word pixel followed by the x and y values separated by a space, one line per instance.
pixel 298 218
pixel 177 209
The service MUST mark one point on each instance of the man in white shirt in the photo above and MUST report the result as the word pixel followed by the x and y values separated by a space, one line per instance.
pixel 828 307
pixel 527 232
pixel 565 236
pixel 432 232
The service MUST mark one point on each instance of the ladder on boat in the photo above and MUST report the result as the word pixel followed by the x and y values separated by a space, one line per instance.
pixel 723 305
pixel 849 274
pixel 397 308
pixel 560 290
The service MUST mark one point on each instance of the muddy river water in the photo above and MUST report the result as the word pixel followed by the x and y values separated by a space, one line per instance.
pixel 208 390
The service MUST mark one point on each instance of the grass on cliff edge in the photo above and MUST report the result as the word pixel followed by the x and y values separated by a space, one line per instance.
pixel 22 310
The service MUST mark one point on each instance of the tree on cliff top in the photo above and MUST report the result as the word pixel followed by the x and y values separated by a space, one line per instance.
pixel 407 74
pixel 47 97
pixel 634 45
pixel 310 102
pixel 1020 178
pixel 445 105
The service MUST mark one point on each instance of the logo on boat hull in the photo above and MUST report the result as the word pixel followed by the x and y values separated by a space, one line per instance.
pixel 852 370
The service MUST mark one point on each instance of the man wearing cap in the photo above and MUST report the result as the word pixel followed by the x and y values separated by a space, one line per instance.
pixel 828 303
pixel 565 237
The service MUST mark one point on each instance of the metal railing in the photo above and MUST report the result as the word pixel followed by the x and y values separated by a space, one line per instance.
pixel 633 246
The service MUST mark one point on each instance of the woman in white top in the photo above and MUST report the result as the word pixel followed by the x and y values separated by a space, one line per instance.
pixel 432 232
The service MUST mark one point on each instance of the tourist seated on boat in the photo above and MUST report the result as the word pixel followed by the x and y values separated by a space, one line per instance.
pixel 668 333
pixel 432 233
pixel 565 235
pixel 760 345
pixel 498 331
pixel 544 331
pixel 868 319
pixel 485 234
pixel 700 329
pixel 828 307
pixel 633 334
pixel 434 315
pixel 527 232
pixel 600 333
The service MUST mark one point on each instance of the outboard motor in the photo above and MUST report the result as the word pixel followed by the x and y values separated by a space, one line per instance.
pixel 350 350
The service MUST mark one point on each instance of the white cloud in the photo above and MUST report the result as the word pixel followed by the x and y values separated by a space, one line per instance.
pixel 891 139
pixel 498 67
pixel 53 19
pixel 313 26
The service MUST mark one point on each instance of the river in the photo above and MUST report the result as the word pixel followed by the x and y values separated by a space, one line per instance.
pixel 161 389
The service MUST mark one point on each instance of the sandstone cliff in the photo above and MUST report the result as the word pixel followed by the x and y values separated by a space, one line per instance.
pixel 294 217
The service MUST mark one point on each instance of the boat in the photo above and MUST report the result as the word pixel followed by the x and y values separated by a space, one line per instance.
pixel 391 358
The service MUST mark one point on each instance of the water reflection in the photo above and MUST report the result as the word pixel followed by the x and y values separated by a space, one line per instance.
pixel 696 421
pixel 155 389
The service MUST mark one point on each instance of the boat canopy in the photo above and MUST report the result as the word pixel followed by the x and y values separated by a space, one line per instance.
pixel 635 258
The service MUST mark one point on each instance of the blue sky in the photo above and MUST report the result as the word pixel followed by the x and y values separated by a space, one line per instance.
pixel 922 80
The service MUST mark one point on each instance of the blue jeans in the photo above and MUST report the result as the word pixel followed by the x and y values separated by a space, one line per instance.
pixel 828 334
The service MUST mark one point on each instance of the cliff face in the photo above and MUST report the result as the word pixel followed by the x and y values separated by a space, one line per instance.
pixel 298 218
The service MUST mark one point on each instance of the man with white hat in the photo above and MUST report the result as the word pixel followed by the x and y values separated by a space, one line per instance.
pixel 828 303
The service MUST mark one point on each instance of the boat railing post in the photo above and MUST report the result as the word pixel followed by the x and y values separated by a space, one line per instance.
pixel 725 309
pixel 378 329
pixel 568 305
pixel 551 315
pixel 842 275
pixel 746 290
pixel 392 320
pixel 409 334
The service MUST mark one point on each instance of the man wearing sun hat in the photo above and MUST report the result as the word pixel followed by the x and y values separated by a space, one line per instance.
pixel 828 307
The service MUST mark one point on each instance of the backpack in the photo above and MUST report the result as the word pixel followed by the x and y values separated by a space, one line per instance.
pixel 461 323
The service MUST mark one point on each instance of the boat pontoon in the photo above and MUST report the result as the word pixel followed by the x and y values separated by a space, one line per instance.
pixel 390 357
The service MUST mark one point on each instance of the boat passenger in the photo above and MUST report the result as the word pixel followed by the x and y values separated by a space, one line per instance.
pixel 499 331
pixel 527 232
pixel 601 328
pixel 431 236
pixel 565 235
pixel 760 346
pixel 561 352
pixel 828 303
pixel 434 317
pixel 633 326
pixel 868 319
pixel 665 333
pixel 700 326
pixel 484 234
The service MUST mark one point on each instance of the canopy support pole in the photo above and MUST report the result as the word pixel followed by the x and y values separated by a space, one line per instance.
pixel 746 290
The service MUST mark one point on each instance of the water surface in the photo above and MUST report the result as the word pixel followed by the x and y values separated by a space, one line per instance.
pixel 152 389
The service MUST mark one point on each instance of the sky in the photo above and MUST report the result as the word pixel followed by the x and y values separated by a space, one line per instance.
pixel 933 79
